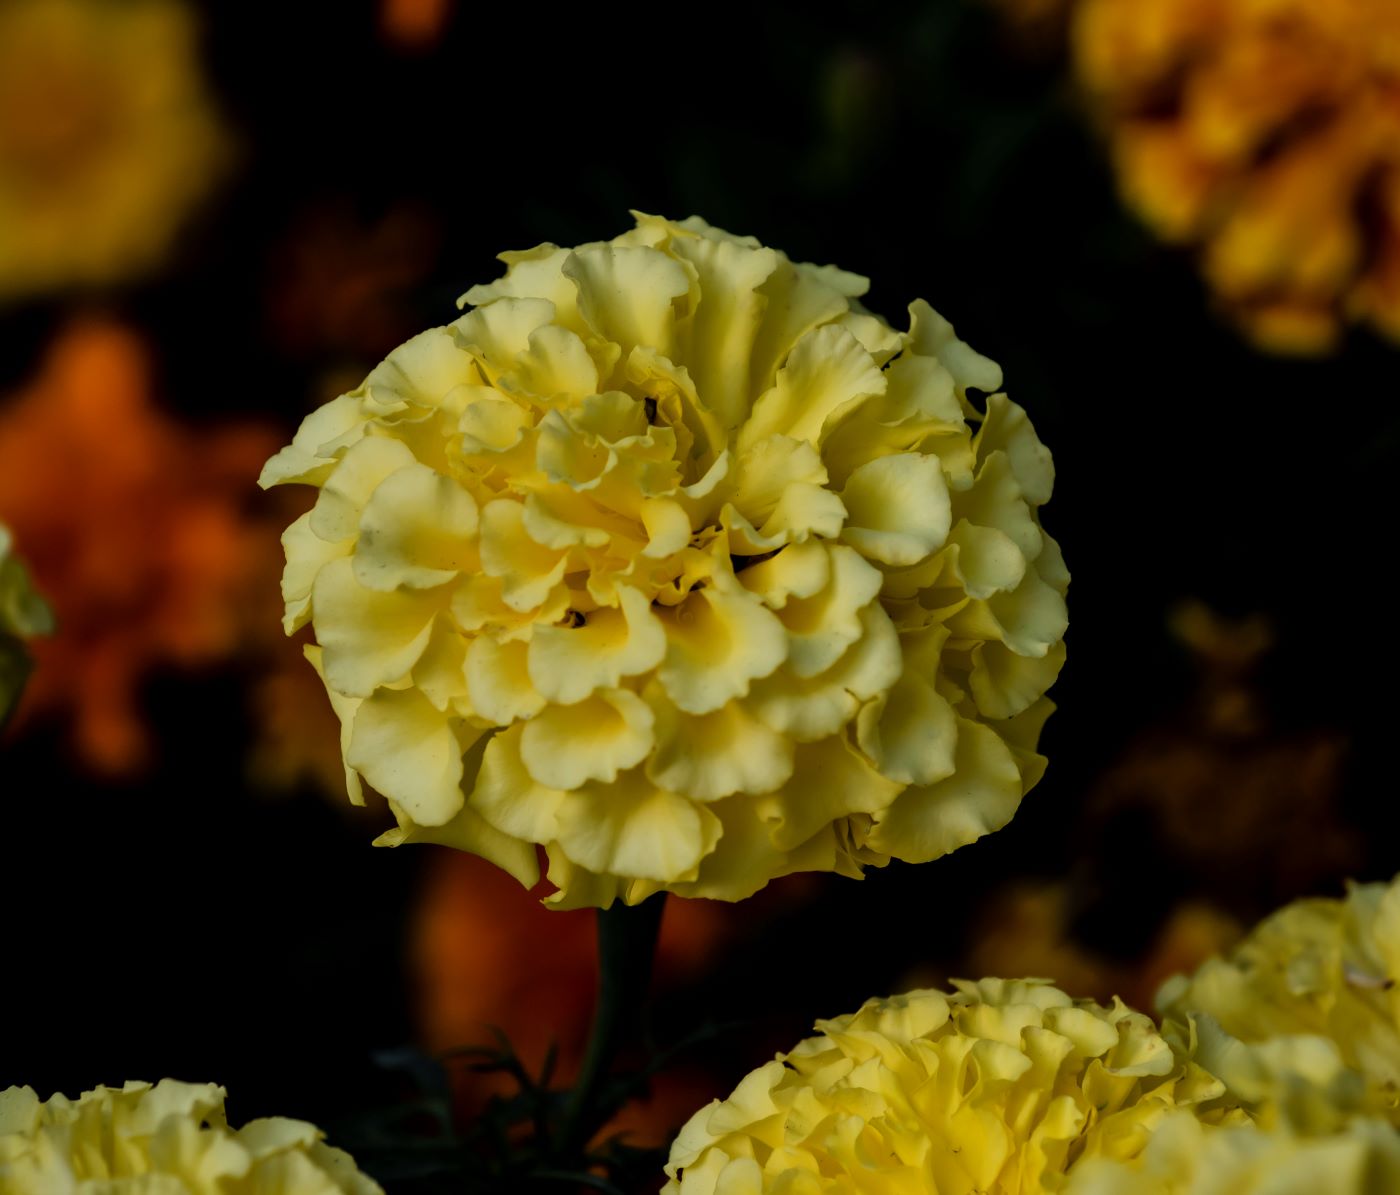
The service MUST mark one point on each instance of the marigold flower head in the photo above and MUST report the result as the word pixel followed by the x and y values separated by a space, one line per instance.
pixel 23 613
pixel 1269 135
pixel 998 1088
pixel 673 560
pixel 107 138
pixel 1307 1000
pixel 169 1138
pixel 1186 1157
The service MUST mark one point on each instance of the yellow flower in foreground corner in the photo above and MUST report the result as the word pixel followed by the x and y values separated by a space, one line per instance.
pixel 23 613
pixel 170 1138
pixel 672 559
pixel 107 138
pixel 1310 991
pixel 1269 135
pixel 998 1088
pixel 1185 1157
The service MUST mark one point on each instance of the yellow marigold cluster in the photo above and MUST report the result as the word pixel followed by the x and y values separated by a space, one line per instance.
pixel 673 560
pixel 998 1088
pixel 1268 133
pixel 23 613
pixel 1308 998
pixel 1186 1157
pixel 107 138
pixel 166 1139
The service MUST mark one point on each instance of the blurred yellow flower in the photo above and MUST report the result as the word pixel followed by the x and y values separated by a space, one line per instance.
pixel 998 1088
pixel 1308 996
pixel 671 559
pixel 107 138
pixel 168 1138
pixel 1185 1157
pixel 23 613
pixel 1267 132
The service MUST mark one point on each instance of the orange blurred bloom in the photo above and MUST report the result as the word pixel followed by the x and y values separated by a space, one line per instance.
pixel 1026 931
pixel 134 527
pixel 487 953
pixel 1267 133
pixel 414 24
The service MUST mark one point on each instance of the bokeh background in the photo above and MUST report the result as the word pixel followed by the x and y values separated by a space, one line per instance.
pixel 215 217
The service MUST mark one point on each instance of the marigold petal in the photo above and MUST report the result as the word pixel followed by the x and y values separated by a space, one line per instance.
pixel 717 642
pixel 417 531
pixel 566 664
pixel 409 751
pixel 631 828
pixel 566 746
pixel 897 508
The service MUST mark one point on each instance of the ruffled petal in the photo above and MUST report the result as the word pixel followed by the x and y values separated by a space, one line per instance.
pixel 929 821
pixel 566 746
pixel 498 681
pixel 566 664
pixel 633 829
pixel 717 642
pixel 897 509
pixel 370 638
pixel 827 371
pixel 418 530
pixel 709 756
pixel 411 752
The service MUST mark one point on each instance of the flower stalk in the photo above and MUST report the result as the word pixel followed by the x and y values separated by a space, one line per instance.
pixel 627 936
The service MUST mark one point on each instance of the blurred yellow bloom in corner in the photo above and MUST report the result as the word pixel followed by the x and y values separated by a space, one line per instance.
pixel 23 613
pixel 107 139
pixel 1308 1002
pixel 1000 1087
pixel 1186 1157
pixel 170 1137
pixel 673 560
pixel 1267 134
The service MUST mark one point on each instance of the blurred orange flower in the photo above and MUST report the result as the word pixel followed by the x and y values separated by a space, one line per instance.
pixel 487 953
pixel 134 527
pixel 414 24
pixel 340 283
pixel 107 138
pixel 1267 134
pixel 1027 931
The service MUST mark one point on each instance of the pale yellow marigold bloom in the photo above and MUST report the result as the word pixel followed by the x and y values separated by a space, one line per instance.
pixel 673 560
pixel 1309 997
pixel 166 1139
pixel 107 139
pixel 23 614
pixel 1186 1157
pixel 1266 132
pixel 998 1088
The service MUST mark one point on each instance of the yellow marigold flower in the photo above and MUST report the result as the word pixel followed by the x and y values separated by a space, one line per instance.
pixel 1267 134
pixel 107 138
pixel 997 1088
pixel 23 613
pixel 673 560
pixel 1307 1001
pixel 170 1138
pixel 1186 1157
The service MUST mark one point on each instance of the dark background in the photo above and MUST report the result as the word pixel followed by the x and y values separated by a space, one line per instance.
pixel 176 922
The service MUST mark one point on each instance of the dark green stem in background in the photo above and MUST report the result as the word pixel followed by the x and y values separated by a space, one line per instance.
pixel 626 946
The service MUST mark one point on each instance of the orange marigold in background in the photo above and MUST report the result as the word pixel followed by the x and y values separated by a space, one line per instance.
pixel 1266 132
pixel 1027 929
pixel 478 964
pixel 134 529
pixel 107 139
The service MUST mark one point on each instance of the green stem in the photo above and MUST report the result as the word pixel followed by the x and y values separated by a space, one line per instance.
pixel 626 946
